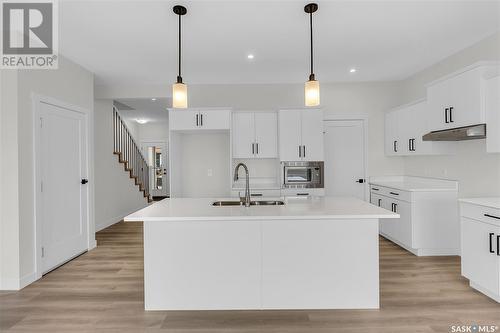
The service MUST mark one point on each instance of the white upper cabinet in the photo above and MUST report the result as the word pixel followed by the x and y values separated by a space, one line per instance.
pixel 492 105
pixel 266 134
pixel 191 119
pixel 255 135
pixel 301 135
pixel 312 136
pixel 458 100
pixel 290 132
pixel 404 128
pixel 183 119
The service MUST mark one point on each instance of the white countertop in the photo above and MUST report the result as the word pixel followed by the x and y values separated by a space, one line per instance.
pixel 415 184
pixel 492 202
pixel 201 209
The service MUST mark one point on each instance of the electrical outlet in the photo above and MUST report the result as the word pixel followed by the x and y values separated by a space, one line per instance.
pixel 210 172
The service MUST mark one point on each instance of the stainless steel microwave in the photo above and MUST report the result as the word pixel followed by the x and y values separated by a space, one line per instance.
pixel 303 174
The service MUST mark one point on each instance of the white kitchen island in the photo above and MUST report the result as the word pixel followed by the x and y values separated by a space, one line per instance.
pixel 315 253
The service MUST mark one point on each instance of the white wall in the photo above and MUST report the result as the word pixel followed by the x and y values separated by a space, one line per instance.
pixel 19 123
pixel 193 157
pixel 152 132
pixel 116 194
pixel 9 189
pixel 478 173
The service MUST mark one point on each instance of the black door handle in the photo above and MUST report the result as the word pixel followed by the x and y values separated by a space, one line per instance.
pixel 379 202
pixel 446 116
pixel 395 146
pixel 451 114
pixel 84 181
pixel 492 216
pixel 498 245
pixel 491 242
pixel 361 181
pixel 197 123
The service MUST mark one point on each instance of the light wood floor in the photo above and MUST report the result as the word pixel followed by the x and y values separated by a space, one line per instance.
pixel 102 291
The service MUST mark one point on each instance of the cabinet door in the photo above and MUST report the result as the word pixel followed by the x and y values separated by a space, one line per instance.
pixel 378 201
pixel 389 226
pixel 183 119
pixel 438 103
pixel 391 133
pixel 266 134
pixel 243 135
pixel 465 99
pixel 492 106
pixel 312 135
pixel 403 230
pixel 290 132
pixel 405 130
pixel 215 119
pixel 478 264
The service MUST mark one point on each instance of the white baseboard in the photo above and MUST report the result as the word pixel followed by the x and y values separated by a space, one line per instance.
pixel 485 291
pixel 27 279
pixel 423 252
pixel 9 284
pixel 92 244
pixel 115 219
pixel 15 284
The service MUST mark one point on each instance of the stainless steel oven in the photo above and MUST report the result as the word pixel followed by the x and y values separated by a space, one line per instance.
pixel 303 174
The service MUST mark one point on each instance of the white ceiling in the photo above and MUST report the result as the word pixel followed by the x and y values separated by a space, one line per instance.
pixel 135 42
pixel 145 108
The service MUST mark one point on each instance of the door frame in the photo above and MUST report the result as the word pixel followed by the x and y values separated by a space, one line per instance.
pixel 364 119
pixel 167 162
pixel 37 100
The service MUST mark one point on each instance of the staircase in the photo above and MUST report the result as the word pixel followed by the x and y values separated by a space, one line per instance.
pixel 129 154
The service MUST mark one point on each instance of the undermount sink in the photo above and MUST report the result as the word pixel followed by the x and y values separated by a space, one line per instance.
pixel 252 203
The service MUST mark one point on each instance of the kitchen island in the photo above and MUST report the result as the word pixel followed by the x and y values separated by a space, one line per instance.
pixel 309 253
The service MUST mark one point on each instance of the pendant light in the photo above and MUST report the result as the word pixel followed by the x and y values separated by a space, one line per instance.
pixel 179 89
pixel 311 88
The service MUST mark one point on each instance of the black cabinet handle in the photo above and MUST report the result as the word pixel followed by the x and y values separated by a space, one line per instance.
pixel 492 216
pixel 446 116
pixel 498 245
pixel 257 148
pixel 451 114
pixel 413 144
pixel 84 181
pixel 253 148
pixel 304 151
pixel 300 151
pixel 375 189
pixel 197 117
pixel 395 146
pixel 395 208
pixel 409 145
pixel 303 194
pixel 491 242
pixel 361 181
pixel 379 202
pixel 256 195
pixel 393 193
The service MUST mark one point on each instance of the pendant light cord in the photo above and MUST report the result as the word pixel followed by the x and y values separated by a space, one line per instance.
pixel 179 78
pixel 310 24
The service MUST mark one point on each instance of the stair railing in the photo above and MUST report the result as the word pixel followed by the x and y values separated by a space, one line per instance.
pixel 130 155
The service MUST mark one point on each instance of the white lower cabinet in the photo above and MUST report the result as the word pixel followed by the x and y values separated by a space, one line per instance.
pixel 481 249
pixel 428 224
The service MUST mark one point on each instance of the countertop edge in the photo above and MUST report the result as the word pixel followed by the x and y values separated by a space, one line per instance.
pixel 257 218
pixel 401 188
pixel 477 202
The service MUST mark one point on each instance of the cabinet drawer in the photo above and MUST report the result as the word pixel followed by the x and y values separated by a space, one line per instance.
pixel 305 192
pixel 257 193
pixel 391 192
pixel 480 213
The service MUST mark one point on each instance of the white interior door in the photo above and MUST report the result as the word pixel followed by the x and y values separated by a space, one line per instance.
pixel 63 196
pixel 345 158
pixel 157 159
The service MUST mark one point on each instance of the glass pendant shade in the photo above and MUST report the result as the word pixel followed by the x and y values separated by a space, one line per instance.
pixel 312 93
pixel 179 96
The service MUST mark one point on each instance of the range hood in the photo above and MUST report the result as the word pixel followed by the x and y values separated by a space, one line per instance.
pixel 457 134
